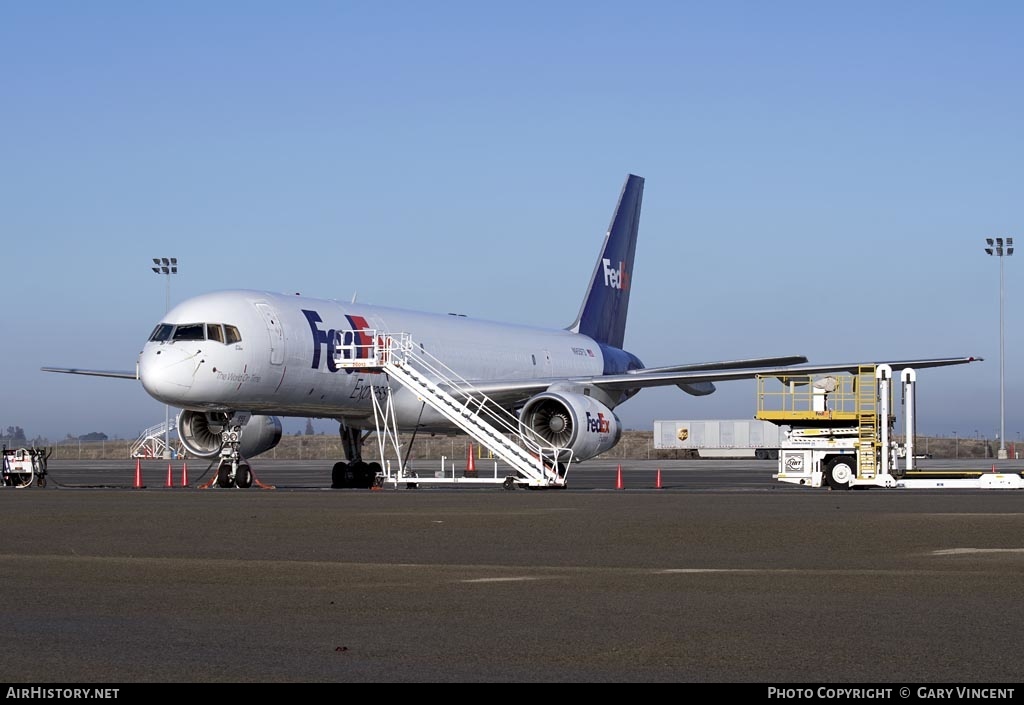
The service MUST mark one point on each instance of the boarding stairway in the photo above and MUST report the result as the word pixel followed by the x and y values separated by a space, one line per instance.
pixel 152 442
pixel 536 462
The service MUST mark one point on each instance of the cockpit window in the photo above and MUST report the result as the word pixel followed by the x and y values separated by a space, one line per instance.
pixel 190 331
pixel 221 333
pixel 161 333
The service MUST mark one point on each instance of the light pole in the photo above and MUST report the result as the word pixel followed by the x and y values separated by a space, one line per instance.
pixel 997 248
pixel 167 267
pixel 956 441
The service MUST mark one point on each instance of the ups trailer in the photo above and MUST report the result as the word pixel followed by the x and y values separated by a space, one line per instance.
pixel 722 438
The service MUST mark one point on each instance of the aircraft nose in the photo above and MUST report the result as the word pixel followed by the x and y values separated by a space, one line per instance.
pixel 167 372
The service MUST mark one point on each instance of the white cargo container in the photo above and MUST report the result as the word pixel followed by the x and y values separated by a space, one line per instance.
pixel 721 438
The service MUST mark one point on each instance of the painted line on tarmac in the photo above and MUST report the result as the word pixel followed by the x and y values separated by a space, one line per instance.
pixel 972 551
pixel 519 579
pixel 723 570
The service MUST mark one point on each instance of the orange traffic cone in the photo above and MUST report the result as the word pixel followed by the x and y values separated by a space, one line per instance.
pixel 138 475
pixel 470 462
pixel 657 480
pixel 618 478
pixel 184 474
pixel 170 476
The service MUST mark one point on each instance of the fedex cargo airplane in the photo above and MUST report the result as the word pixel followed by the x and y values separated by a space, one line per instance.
pixel 234 361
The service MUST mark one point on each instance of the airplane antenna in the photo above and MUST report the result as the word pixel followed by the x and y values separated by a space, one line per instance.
pixel 354 296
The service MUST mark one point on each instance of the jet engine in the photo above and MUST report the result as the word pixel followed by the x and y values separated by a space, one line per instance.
pixel 573 421
pixel 201 433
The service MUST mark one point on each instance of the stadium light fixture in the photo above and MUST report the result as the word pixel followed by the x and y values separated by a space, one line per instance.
pixel 1000 248
pixel 166 266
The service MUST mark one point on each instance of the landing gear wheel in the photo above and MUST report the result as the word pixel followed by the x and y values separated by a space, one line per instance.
pixel 376 471
pixel 224 476
pixel 840 472
pixel 339 475
pixel 509 483
pixel 243 476
pixel 362 475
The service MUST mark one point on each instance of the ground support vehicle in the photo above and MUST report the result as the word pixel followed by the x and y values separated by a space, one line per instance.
pixel 840 433
pixel 23 466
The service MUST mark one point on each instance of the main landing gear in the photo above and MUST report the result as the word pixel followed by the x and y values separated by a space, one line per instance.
pixel 354 472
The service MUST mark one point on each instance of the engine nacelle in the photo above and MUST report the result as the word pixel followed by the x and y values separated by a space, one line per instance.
pixel 573 421
pixel 200 433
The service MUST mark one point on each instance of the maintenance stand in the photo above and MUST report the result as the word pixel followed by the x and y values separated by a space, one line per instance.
pixel 840 433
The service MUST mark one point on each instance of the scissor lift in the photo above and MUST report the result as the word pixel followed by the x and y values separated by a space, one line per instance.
pixel 841 433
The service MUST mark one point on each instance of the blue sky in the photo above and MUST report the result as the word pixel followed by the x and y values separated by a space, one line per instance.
pixel 820 178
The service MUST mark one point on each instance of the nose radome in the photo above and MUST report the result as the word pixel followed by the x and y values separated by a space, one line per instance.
pixel 166 373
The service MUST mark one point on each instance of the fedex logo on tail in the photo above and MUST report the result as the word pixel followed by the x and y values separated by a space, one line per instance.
pixel 598 424
pixel 615 278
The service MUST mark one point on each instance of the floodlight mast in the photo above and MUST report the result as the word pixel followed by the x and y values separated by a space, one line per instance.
pixel 167 267
pixel 1000 248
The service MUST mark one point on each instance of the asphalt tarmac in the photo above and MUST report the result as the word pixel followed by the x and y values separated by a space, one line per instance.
pixel 720 575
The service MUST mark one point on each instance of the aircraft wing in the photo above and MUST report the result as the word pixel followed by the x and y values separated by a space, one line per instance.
pixel 697 375
pixel 639 378
pixel 95 373
pixel 726 364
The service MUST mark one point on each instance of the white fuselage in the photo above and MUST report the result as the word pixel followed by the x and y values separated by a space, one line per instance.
pixel 284 362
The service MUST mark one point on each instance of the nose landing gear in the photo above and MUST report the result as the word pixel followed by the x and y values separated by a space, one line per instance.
pixel 233 470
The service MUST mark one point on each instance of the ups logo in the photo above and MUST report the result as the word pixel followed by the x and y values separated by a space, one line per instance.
pixel 683 434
